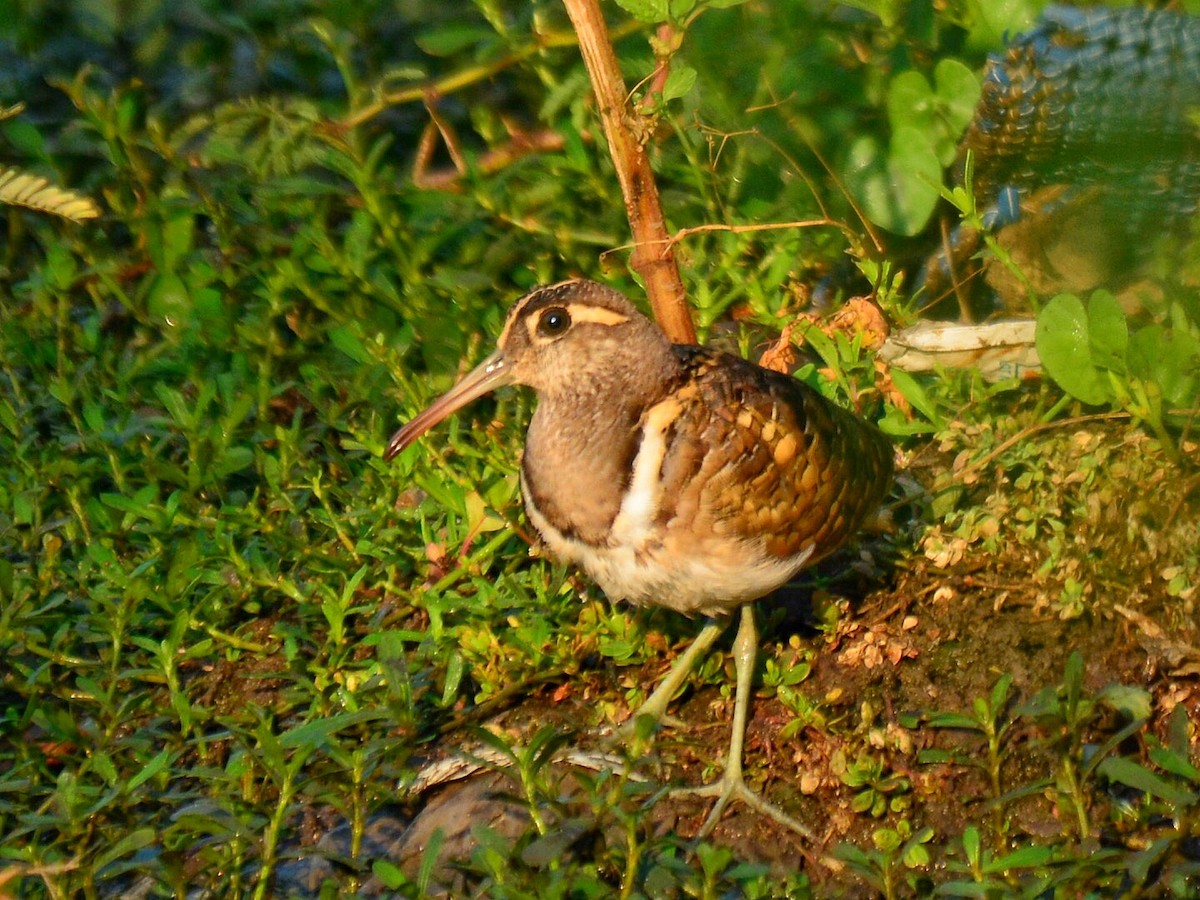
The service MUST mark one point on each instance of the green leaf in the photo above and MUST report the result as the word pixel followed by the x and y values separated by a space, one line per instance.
pixel 1169 358
pixel 896 424
pixel 152 768
pixel 178 233
pixel 392 876
pixel 545 850
pixel 953 720
pixel 1025 858
pixel 429 861
pixel 915 394
pixel 316 733
pixel 958 90
pixel 129 844
pixel 1000 691
pixel 348 340
pixel 916 856
pixel 139 504
pixel 971 844
pixel 1135 703
pixel 1147 859
pixel 934 756
pixel 1073 678
pixel 863 802
pixel 939 114
pixel 479 520
pixel 899 189
pixel 26 139
pixel 1118 768
pixel 235 459
pixel 1108 335
pixel 454 674
pixel 101 762
pixel 993 23
pixel 451 39
pixel 679 83
pixel 910 101
pixel 169 302
pixel 1063 346
pixel 888 11
pixel 646 10
pixel 915 174
pixel 964 889
pixel 851 854
pixel 1175 763
pixel 886 839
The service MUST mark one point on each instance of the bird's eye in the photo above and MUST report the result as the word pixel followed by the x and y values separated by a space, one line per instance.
pixel 554 321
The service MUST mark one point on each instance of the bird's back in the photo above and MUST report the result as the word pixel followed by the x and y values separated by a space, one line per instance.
pixel 742 476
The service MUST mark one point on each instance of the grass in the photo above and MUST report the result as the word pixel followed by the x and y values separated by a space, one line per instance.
pixel 229 630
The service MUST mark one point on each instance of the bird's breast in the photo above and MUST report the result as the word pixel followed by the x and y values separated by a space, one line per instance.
pixel 657 541
pixel 676 567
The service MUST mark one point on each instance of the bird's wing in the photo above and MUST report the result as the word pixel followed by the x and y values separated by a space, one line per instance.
pixel 757 454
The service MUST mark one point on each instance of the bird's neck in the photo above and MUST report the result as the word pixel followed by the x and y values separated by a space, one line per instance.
pixel 580 450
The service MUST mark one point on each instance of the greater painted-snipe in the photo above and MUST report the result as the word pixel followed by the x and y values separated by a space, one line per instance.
pixel 674 475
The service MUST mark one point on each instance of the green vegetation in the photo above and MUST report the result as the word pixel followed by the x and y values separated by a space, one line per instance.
pixel 1153 373
pixel 227 628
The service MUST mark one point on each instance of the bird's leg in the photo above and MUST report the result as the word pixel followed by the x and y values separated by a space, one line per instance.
pixel 732 785
pixel 656 704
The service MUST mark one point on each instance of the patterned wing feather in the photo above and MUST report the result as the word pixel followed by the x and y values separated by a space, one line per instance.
pixel 792 469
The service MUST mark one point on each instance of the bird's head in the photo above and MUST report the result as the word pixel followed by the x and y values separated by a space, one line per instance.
pixel 578 339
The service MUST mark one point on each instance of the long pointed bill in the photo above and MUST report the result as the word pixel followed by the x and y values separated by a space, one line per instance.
pixel 487 376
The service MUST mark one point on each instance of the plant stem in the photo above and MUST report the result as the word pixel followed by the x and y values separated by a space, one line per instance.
pixel 653 257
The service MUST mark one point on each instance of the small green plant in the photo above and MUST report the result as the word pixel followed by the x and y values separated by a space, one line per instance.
pixel 531 763
pixel 962 198
pixel 787 670
pixel 1170 798
pixel 1165 793
pixel 781 677
pixel 990 874
pixel 878 791
pixel 1152 372
pixel 989 718
pixel 899 853
pixel 1065 713
pixel 850 363
pixel 226 624
pixel 899 186
pixel 616 797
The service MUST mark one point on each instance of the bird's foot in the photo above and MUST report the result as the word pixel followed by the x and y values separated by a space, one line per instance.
pixel 733 787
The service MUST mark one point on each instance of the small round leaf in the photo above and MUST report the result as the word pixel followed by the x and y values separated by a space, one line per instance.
pixel 1062 345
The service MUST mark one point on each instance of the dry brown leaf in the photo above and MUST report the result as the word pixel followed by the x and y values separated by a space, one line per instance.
pixel 781 356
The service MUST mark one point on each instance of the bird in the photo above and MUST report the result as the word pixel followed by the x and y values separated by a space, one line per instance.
pixel 674 475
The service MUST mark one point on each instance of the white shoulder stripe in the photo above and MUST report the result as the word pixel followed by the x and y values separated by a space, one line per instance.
pixel 640 506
